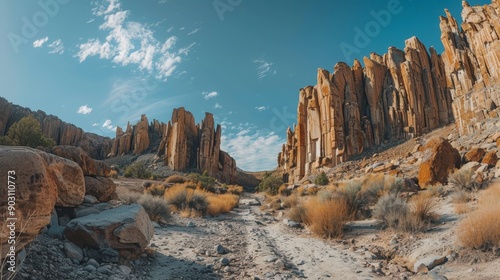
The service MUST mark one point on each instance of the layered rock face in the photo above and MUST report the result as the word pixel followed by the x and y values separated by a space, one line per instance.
pixel 398 95
pixel 186 145
pixel 472 63
pixel 181 143
pixel 395 96
pixel 63 133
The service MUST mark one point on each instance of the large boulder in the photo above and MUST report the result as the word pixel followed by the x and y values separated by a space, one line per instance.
pixel 90 167
pixel 440 158
pixel 41 181
pixel 100 187
pixel 475 154
pixel 123 228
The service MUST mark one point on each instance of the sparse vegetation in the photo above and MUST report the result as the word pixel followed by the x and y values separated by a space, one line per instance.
pixel 392 210
pixel 26 132
pixel 234 189
pixel 157 190
pixel 326 218
pixel 156 207
pixel 462 179
pixel 290 201
pixel 270 184
pixel 481 228
pixel 175 179
pixel 297 214
pixel 221 203
pixel 136 170
pixel 321 179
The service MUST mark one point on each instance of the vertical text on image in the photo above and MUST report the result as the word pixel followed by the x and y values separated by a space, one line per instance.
pixel 11 219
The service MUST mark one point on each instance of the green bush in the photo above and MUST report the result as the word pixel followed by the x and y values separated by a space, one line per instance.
pixel 199 203
pixel 6 141
pixel 321 179
pixel 270 184
pixel 207 182
pixel 136 170
pixel 27 132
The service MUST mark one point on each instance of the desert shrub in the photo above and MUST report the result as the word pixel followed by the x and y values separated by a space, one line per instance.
pixel 6 141
pixel 155 190
pixel 271 202
pixel 423 205
pixel 136 170
pixel 350 193
pixel 460 196
pixel 193 177
pixel 221 203
pixel 113 174
pixel 462 179
pixel 270 184
pixel 27 132
pixel 235 189
pixel 321 179
pixel 327 218
pixel 176 196
pixel 207 182
pixel 198 202
pixel 175 179
pixel 481 228
pixel 290 201
pixel 284 190
pixel 156 208
pixel 392 210
pixel 297 213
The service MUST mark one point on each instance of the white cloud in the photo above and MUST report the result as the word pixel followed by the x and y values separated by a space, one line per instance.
pixel 131 43
pixel 84 110
pixel 209 95
pixel 57 47
pixel 264 68
pixel 194 31
pixel 217 106
pixel 39 43
pixel 261 108
pixel 170 29
pixel 108 124
pixel 253 150
pixel 95 124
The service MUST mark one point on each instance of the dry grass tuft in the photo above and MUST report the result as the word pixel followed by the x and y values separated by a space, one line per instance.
pixel 423 205
pixel 461 208
pixel 290 201
pixel 155 190
pixel 235 189
pixel 297 214
pixel 157 208
pixel 462 179
pixel 113 174
pixel 221 203
pixel 175 179
pixel 327 218
pixel 176 196
pixel 481 228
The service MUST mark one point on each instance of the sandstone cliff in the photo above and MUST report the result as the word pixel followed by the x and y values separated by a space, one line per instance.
pixel 181 143
pixel 398 95
pixel 63 133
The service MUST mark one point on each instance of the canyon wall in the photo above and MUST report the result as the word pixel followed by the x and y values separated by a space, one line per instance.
pixel 181 143
pixel 62 133
pixel 398 95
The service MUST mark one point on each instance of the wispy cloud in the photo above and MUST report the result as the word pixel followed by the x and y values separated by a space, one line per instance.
pixel 194 31
pixel 131 43
pixel 264 68
pixel 261 108
pixel 217 106
pixel 209 95
pixel 109 125
pixel 57 47
pixel 39 43
pixel 84 110
pixel 95 124
pixel 253 150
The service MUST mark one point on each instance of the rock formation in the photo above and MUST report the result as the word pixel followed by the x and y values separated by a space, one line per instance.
pixel 398 95
pixel 186 145
pixel 41 182
pixel 61 132
pixel 440 158
pixel 472 63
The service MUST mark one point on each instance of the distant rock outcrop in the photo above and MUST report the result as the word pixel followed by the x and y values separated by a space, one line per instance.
pixel 61 132
pixel 181 144
pixel 398 95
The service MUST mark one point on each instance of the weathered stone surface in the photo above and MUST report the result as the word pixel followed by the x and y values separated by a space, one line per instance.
pixel 141 136
pixel 475 154
pixel 61 132
pixel 490 159
pixel 398 95
pixel 100 187
pixel 122 228
pixel 89 166
pixel 41 182
pixel 440 158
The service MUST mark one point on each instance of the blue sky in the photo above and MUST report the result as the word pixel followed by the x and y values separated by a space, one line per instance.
pixel 99 64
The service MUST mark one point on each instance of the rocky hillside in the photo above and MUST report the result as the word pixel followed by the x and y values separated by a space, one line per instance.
pixel 63 133
pixel 398 95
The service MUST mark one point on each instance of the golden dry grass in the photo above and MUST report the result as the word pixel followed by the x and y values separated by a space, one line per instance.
pixel 113 174
pixel 326 218
pixel 423 206
pixel 221 203
pixel 235 189
pixel 461 208
pixel 155 190
pixel 290 201
pixel 297 214
pixel 481 228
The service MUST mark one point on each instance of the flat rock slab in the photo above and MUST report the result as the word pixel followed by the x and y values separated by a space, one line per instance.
pixel 250 202
pixel 428 263
pixel 124 227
